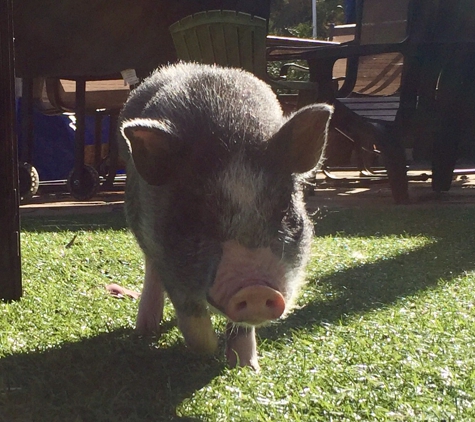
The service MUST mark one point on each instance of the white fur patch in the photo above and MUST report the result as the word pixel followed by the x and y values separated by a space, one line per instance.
pixel 242 185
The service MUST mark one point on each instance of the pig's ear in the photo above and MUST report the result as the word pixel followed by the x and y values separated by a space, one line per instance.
pixel 301 140
pixel 155 149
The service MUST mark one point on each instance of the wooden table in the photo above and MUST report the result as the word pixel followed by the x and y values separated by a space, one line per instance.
pixel 102 37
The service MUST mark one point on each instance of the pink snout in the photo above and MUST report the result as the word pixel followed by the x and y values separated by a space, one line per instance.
pixel 255 305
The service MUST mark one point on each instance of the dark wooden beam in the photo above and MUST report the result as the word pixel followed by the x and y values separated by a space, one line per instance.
pixel 10 263
pixel 104 37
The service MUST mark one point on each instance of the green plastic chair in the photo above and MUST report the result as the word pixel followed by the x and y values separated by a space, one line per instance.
pixel 228 38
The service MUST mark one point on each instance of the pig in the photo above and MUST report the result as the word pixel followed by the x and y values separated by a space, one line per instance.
pixel 214 199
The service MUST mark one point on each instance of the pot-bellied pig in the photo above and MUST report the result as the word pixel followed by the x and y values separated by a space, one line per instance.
pixel 214 198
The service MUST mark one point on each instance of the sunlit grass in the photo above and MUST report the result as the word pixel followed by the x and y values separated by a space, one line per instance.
pixel 64 275
pixel 383 331
pixel 412 361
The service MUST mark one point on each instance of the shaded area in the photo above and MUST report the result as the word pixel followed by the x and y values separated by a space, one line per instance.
pixel 77 222
pixel 441 222
pixel 115 376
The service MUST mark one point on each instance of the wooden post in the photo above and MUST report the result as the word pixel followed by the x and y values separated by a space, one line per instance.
pixel 10 263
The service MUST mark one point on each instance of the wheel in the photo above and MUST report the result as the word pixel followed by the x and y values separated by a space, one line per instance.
pixel 83 185
pixel 29 181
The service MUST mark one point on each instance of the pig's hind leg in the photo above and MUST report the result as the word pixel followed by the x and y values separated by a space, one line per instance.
pixel 241 346
pixel 151 302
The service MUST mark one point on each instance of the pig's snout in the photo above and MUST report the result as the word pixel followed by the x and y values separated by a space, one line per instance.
pixel 255 305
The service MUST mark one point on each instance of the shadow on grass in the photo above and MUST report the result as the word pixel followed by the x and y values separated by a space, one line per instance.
pixel 371 286
pixel 112 377
pixel 74 222
pixel 442 222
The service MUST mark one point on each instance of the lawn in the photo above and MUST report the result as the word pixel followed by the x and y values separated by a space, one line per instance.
pixel 384 330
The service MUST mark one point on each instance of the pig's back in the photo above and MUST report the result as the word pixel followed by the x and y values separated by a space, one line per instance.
pixel 201 101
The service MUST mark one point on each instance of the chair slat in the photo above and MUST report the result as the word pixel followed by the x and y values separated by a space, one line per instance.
pixel 223 37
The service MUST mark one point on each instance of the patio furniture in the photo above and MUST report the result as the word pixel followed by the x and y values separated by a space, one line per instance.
pixel 90 43
pixel 81 96
pixel 368 85
pixel 378 114
pixel 453 108
pixel 104 97
pixel 104 37
pixel 341 34
pixel 229 38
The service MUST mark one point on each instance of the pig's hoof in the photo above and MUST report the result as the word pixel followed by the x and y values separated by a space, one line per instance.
pixel 203 345
pixel 148 326
pixel 234 360
pixel 198 333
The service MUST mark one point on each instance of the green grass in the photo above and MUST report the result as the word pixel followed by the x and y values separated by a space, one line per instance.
pixel 384 330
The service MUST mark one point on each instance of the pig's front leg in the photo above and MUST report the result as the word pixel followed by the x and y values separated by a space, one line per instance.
pixel 241 346
pixel 151 302
pixel 197 330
